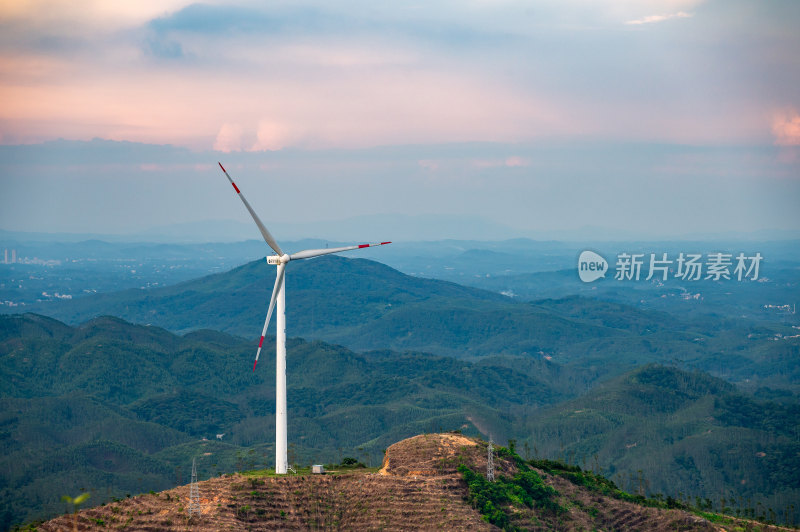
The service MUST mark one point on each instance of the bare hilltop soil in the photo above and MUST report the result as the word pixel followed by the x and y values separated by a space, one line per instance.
pixel 419 487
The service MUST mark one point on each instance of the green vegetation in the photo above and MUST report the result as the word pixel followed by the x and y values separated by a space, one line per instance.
pixel 348 462
pixel 494 500
pixel 662 430
pixel 600 484
pixel 75 502
pixel 702 507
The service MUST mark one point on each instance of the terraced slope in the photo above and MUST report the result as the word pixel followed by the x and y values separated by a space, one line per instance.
pixel 353 501
pixel 418 488
pixel 438 456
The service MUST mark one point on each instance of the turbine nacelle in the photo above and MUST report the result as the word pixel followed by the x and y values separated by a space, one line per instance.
pixel 276 260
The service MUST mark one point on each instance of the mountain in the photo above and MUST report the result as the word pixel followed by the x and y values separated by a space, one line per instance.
pixel 118 408
pixel 366 305
pixel 684 432
pixel 359 303
pixel 121 408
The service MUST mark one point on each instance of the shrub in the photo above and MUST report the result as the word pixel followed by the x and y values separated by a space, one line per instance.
pixel 526 488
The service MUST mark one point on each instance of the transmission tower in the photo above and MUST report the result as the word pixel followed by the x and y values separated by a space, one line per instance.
pixel 490 462
pixel 194 492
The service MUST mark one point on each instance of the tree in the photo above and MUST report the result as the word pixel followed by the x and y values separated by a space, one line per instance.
pixel 75 502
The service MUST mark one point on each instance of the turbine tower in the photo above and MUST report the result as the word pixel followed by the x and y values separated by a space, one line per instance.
pixel 279 298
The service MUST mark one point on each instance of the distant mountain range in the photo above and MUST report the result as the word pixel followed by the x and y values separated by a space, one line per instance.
pixel 366 305
pixel 386 226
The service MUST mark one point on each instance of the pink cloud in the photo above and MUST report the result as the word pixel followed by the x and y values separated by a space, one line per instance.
pixel 229 138
pixel 510 162
pixel 272 136
pixel 786 128
pixel 516 161
pixel 273 105
pixel 323 94
pixel 659 18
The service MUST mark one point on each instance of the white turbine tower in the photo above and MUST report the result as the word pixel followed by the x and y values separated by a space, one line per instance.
pixel 278 297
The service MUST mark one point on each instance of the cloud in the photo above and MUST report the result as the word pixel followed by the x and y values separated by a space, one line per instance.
pixel 229 138
pixel 786 128
pixel 513 161
pixel 33 22
pixel 659 18
pixel 342 75
pixel 516 161
pixel 271 136
pixel 209 19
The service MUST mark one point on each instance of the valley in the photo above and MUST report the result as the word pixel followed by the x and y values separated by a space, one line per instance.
pixel 115 392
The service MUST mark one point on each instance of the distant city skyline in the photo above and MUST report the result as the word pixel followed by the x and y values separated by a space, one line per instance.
pixel 650 117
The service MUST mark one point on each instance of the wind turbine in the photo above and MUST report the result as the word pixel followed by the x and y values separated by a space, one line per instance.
pixel 279 298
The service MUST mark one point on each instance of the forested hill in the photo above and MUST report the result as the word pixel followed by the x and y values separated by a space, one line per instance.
pixel 365 305
pixel 116 407
pixel 120 408
pixel 679 432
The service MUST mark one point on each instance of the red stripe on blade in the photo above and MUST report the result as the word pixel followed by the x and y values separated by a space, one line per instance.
pixel 254 365
pixel 220 165
pixel 384 243
pixel 235 187
pixel 260 342
pixel 363 246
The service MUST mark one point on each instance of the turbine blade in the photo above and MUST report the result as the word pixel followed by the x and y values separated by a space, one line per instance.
pixel 278 280
pixel 307 254
pixel 268 238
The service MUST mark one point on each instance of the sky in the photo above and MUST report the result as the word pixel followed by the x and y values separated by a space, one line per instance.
pixel 656 118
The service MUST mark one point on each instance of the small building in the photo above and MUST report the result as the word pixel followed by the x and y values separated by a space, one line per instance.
pixel 317 469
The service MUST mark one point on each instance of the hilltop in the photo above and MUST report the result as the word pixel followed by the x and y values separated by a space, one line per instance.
pixel 421 486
